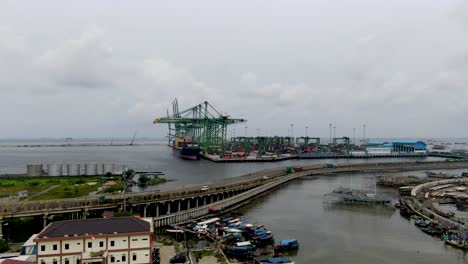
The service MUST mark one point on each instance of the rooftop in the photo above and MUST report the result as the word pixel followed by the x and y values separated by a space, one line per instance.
pixel 96 226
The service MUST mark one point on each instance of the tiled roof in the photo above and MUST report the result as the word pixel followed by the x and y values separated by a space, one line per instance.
pixel 95 227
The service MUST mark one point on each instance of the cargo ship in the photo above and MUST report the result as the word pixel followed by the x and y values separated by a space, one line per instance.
pixel 185 149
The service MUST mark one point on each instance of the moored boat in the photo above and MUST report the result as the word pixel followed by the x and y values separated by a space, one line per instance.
pixel 278 260
pixel 287 245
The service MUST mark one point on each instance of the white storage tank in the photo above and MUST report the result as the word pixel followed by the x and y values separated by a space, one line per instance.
pixel 74 169
pixel 64 170
pixel 34 170
pixel 107 167
pixel 91 169
pixel 54 169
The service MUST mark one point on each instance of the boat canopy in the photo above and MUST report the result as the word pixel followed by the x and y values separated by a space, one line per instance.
pixel 243 244
pixel 288 241
pixel 209 221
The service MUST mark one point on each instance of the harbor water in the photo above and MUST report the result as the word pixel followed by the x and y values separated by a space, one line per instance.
pixel 327 234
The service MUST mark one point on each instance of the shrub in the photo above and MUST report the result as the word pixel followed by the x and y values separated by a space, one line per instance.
pixel 3 246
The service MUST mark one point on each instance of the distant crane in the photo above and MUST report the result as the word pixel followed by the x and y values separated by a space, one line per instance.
pixel 201 123
pixel 133 139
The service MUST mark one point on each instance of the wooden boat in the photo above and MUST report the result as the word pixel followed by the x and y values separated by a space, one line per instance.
pixel 457 243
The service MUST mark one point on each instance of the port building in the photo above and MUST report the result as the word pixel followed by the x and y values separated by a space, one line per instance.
pixel 110 240
pixel 397 146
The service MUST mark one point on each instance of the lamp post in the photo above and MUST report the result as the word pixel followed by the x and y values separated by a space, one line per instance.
pixel 306 130
pixel 354 136
pixel 245 131
pixel 330 133
pixel 292 129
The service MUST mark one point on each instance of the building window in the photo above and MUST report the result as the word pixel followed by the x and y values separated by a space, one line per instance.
pixel 112 259
pixel 90 244
pixel 144 239
pixel 101 243
pixel 42 261
pixel 67 261
pixel 43 248
pixel 67 246
pixel 54 261
pixel 124 258
pixel 112 243
pixel 134 239
pixel 78 261
pixel 134 257
pixel 54 247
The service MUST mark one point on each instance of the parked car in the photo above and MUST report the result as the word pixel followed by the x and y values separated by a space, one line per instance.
pixel 205 188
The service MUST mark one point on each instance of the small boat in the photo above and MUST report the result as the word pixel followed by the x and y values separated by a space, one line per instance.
pixel 278 260
pixel 433 231
pixel 422 223
pixel 287 244
pixel 457 243
pixel 264 240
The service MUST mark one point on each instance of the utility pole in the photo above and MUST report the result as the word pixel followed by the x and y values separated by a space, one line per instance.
pixel 364 126
pixel 330 133
pixel 245 131
pixel 334 131
pixel 292 134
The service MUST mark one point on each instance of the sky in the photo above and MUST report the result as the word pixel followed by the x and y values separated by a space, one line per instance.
pixel 107 68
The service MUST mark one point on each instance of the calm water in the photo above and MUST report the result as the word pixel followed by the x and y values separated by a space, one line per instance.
pixel 345 234
pixel 156 156
pixel 330 234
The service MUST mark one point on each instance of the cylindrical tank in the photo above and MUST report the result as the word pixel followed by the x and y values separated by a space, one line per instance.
pixel 91 169
pixel 107 167
pixel 54 169
pixel 74 169
pixel 34 170
pixel 64 170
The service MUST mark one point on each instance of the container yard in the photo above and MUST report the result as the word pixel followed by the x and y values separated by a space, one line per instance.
pixel 201 132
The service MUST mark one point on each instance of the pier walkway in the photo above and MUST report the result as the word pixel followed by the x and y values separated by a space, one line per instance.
pixel 190 202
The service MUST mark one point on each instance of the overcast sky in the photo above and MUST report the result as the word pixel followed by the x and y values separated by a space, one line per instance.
pixel 107 68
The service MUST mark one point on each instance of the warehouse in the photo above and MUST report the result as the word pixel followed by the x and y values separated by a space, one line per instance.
pixel 397 146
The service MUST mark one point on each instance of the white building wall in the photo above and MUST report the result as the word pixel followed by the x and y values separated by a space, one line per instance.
pixel 71 258
pixel 118 257
pixel 378 150
pixel 119 242
pixel 142 256
pixel 49 247
pixel 95 244
pixel 48 260
pixel 75 245
pixel 140 241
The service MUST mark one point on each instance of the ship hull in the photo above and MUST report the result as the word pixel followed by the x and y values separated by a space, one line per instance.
pixel 187 153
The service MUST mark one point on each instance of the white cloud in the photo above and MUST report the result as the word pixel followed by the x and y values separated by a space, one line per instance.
pixel 85 62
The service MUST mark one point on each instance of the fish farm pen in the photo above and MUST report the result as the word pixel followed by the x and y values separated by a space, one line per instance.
pixel 354 197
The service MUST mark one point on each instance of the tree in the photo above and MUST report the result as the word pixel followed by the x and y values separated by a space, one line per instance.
pixel 143 179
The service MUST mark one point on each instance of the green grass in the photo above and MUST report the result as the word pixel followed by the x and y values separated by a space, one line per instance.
pixel 156 180
pixel 67 192
pixel 114 188
pixel 68 187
